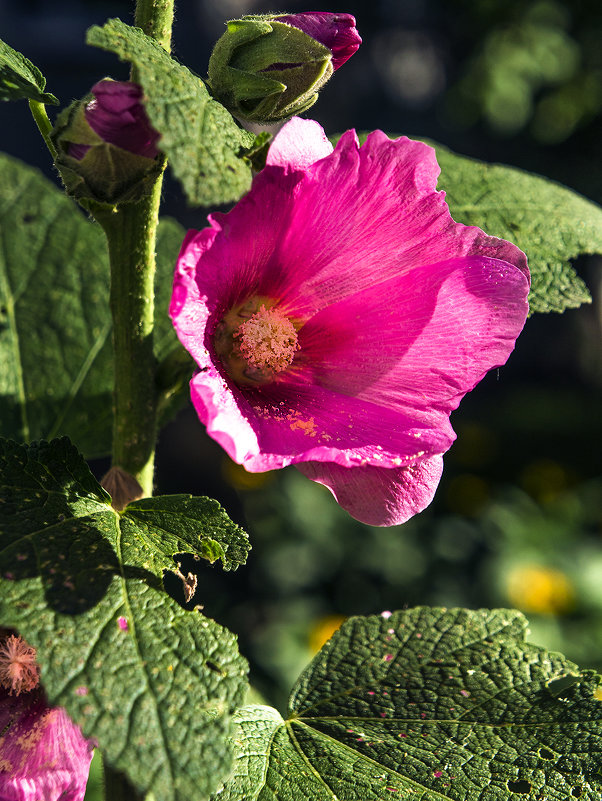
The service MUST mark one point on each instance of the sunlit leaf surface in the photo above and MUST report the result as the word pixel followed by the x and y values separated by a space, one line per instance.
pixel 428 704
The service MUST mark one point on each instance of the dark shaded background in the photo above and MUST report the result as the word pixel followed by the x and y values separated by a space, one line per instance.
pixel 517 520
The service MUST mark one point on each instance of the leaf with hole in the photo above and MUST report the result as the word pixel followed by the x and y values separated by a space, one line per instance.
pixel 427 703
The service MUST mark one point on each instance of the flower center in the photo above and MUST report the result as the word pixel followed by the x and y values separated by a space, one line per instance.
pixel 268 340
pixel 256 341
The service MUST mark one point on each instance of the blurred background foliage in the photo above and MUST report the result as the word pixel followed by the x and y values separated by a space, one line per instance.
pixel 517 520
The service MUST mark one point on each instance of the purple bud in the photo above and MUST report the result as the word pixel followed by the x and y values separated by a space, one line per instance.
pixel 118 116
pixel 337 32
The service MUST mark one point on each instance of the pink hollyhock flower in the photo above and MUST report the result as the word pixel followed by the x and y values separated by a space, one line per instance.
pixel 43 754
pixel 338 315
pixel 118 116
pixel 337 32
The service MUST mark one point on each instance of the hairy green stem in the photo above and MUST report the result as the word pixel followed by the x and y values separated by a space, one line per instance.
pixel 155 17
pixel 40 116
pixel 131 233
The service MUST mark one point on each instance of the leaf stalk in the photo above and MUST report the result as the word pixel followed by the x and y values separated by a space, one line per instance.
pixel 38 111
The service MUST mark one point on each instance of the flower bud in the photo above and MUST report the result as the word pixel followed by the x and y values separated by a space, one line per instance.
pixel 267 68
pixel 106 145
pixel 337 32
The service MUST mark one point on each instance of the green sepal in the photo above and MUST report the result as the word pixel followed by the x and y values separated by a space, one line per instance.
pixel 266 71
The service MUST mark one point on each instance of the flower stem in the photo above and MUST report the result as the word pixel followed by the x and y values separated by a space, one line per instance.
pixel 38 111
pixel 155 17
pixel 131 233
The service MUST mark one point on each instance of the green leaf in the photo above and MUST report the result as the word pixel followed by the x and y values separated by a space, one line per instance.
pixel 170 236
pixel 549 222
pixel 200 138
pixel 170 524
pixel 19 78
pixel 154 684
pixel 427 703
pixel 55 325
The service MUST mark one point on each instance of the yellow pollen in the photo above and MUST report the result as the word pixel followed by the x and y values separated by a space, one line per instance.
pixel 267 340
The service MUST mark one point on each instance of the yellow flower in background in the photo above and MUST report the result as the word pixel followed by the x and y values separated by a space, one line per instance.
pixel 540 589
pixel 323 630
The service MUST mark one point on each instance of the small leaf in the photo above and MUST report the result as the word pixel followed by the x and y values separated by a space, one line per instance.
pixel 433 703
pixel 200 138
pixel 55 324
pixel 154 684
pixel 19 78
pixel 170 524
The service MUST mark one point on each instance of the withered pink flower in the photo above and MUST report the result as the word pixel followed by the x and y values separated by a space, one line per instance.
pixel 338 315
pixel 43 754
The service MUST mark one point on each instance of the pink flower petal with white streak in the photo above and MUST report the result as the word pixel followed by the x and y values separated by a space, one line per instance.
pixel 379 496
pixel 298 145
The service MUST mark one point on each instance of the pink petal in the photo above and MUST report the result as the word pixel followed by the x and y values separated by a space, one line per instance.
pixel 420 341
pixel 118 116
pixel 291 421
pixel 298 144
pixel 43 754
pixel 337 32
pixel 345 236
pixel 379 496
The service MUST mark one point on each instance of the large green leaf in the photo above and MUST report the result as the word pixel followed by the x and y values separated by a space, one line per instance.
pixel 55 326
pixel 154 684
pixel 431 704
pixel 200 138
pixel 19 78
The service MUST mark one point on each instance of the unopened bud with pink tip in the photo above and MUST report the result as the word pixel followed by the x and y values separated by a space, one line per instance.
pixel 106 144
pixel 266 68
